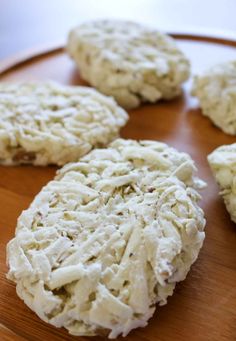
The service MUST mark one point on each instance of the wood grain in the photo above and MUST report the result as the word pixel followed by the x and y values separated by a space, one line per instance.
pixel 8 335
pixel 204 305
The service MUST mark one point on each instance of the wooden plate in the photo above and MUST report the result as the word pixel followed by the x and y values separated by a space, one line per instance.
pixel 204 306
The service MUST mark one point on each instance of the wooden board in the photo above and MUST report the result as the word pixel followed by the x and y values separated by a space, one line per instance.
pixel 204 306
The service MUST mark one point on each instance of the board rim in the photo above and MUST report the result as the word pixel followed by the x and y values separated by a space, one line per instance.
pixel 19 59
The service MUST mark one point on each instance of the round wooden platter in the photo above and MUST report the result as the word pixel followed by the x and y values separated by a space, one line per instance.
pixel 204 305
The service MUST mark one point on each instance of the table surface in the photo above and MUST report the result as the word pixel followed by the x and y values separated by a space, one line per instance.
pixel 203 306
pixel 28 23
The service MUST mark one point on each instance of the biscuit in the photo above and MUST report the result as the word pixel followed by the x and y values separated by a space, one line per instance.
pixel 223 165
pixel 216 91
pixel 49 123
pixel 108 238
pixel 128 61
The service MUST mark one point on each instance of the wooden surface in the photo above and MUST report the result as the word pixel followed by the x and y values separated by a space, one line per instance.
pixel 204 305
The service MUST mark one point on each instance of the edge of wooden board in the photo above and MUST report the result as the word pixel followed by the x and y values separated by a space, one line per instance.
pixel 23 57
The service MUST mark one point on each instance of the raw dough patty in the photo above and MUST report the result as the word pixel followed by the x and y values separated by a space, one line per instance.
pixel 129 61
pixel 49 123
pixel 223 165
pixel 216 91
pixel 108 238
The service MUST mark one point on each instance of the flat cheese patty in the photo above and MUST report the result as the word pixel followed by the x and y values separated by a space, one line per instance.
pixel 49 123
pixel 129 61
pixel 216 91
pixel 108 238
pixel 223 165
